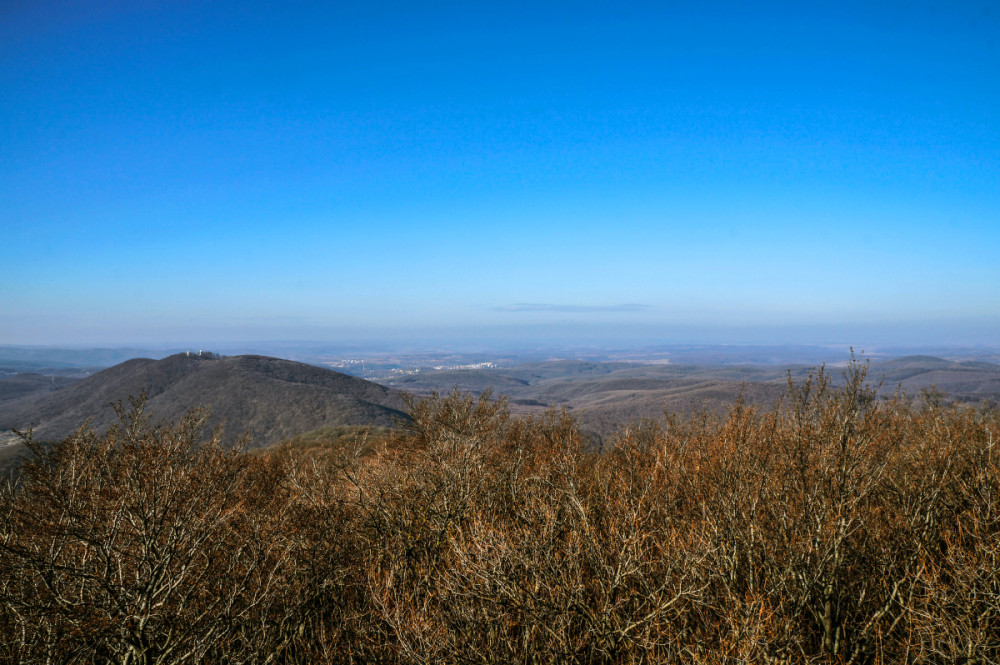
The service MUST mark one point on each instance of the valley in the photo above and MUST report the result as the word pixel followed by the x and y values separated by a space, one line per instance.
pixel 273 399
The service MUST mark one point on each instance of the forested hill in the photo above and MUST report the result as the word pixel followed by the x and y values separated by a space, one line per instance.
pixel 273 399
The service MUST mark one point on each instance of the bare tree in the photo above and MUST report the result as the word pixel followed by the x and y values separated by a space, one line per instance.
pixel 143 545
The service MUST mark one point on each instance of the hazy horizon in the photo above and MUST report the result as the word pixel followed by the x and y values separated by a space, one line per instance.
pixel 573 174
pixel 558 334
pixel 553 342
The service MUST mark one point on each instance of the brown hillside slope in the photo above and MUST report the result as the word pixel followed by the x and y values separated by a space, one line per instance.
pixel 272 399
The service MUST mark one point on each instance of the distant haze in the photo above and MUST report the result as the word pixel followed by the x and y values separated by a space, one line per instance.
pixel 473 338
pixel 484 174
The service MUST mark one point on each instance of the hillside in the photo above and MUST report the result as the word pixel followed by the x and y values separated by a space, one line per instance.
pixel 607 395
pixel 276 399
pixel 968 381
pixel 22 385
pixel 270 398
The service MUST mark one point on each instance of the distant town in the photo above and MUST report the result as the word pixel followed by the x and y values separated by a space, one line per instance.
pixel 384 368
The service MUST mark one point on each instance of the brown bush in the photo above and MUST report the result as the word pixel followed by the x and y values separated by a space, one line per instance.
pixel 140 546
pixel 839 527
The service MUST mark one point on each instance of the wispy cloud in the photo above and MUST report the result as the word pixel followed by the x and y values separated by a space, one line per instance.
pixel 550 307
pixel 264 320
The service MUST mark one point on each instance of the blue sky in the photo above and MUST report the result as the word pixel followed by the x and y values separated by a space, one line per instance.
pixel 800 172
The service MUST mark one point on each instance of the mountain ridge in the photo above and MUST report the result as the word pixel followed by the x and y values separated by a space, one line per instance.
pixel 271 398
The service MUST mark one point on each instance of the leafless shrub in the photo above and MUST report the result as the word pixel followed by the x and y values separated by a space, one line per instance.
pixel 840 527
pixel 140 546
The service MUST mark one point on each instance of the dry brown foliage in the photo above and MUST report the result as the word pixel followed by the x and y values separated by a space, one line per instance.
pixel 839 527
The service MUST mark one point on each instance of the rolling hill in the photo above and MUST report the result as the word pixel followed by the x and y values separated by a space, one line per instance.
pixel 968 381
pixel 270 398
pixel 29 383
pixel 275 399
pixel 606 395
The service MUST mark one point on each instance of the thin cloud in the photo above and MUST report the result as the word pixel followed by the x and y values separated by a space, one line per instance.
pixel 549 307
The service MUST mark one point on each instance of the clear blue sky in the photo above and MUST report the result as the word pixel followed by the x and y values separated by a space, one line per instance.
pixel 801 171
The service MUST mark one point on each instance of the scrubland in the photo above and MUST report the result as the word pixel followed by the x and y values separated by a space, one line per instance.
pixel 838 527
